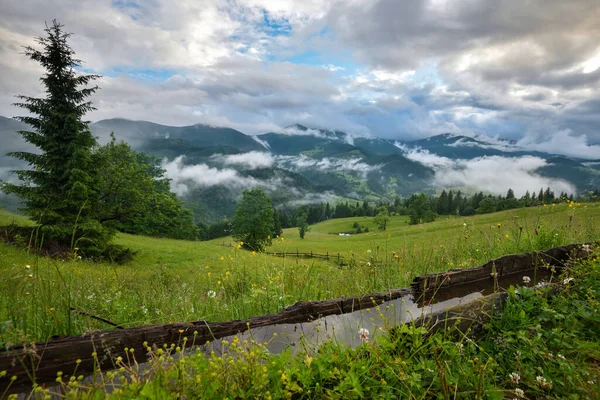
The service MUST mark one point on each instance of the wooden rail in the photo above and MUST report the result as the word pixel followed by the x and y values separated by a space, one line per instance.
pixel 45 360
pixel 338 258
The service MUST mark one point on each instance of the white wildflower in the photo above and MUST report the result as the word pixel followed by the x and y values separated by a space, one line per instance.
pixel 566 281
pixel 526 280
pixel 541 381
pixel 493 274
pixel 514 377
pixel 363 334
pixel 369 263
pixel 27 266
pixel 464 224
pixel 561 357
pixel 519 393
pixel 211 294
pixel 586 248
pixel 369 251
pixel 460 348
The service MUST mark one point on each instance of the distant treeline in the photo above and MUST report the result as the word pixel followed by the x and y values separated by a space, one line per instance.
pixel 419 207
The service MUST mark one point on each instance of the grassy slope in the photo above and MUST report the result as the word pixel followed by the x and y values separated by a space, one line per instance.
pixel 169 279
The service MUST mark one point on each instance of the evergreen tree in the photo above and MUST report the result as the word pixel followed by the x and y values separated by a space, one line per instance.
pixel 442 203
pixel 277 229
pixel 59 191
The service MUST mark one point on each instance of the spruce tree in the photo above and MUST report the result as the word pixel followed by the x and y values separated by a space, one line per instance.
pixel 59 190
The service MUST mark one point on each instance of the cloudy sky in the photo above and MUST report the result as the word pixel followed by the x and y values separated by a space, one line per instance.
pixel 519 69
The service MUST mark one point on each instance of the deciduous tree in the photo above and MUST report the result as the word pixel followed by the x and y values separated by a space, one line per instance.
pixel 253 220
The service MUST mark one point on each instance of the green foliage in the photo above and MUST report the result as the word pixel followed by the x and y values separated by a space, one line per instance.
pixel 135 196
pixel 487 205
pixel 382 218
pixel 302 224
pixel 60 190
pixel 253 220
pixel 541 346
pixel 420 210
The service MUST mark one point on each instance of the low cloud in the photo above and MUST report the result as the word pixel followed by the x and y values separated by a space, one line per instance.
pixel 494 174
pixel 562 142
pixel 328 164
pixel 185 176
pixel 312 198
pixel 251 160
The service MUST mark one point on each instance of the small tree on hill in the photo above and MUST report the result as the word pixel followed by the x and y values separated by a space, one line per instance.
pixel 302 223
pixel 420 210
pixel 59 191
pixel 382 218
pixel 253 220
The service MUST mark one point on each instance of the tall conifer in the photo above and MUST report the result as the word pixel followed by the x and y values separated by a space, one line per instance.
pixel 59 190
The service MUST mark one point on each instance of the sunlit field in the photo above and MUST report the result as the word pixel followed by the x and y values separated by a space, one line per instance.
pixel 171 280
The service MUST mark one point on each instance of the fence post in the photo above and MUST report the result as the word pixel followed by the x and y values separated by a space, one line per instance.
pixel 311 256
pixel 327 256
pixel 338 258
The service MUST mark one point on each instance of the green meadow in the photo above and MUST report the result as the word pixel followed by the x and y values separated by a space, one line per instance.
pixel 174 280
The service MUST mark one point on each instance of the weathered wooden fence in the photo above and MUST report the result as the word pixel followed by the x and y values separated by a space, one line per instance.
pixel 334 257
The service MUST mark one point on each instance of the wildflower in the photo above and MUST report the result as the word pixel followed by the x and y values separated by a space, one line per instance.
pixel 566 281
pixel 27 266
pixel 519 393
pixel 506 236
pixel 460 347
pixel 493 274
pixel 464 224
pixel 369 251
pixel 222 258
pixel 211 294
pixel 561 357
pixel 514 377
pixel 218 282
pixel 181 331
pixel 30 275
pixel 226 273
pixel 526 280
pixel 499 225
pixel 369 263
pixel 542 382
pixel 253 253
pixel 586 248
pixel 363 334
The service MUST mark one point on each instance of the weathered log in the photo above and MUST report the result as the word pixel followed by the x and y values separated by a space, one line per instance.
pixel 44 360
pixel 504 266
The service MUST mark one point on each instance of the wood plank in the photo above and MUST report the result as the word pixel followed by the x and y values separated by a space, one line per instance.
pixel 62 354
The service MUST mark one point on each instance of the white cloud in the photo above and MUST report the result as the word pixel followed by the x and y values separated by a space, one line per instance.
pixel 563 142
pixel 251 160
pixel 493 174
pixel 184 176
pixel 325 164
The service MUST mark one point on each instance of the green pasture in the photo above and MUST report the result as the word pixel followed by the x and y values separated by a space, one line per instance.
pixel 174 280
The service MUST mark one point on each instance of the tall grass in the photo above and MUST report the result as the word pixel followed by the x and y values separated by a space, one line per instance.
pixel 183 281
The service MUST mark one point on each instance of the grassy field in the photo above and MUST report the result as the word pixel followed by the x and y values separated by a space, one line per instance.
pixel 172 280
pixel 543 345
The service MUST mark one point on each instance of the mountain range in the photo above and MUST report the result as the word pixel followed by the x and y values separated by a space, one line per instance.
pixel 210 166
